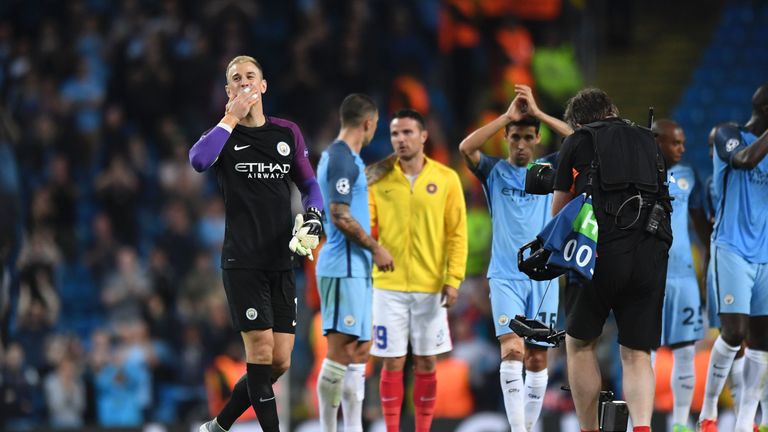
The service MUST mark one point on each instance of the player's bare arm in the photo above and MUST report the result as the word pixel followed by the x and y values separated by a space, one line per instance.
pixel 749 157
pixel 470 146
pixel 379 169
pixel 346 223
pixel 527 105
pixel 560 199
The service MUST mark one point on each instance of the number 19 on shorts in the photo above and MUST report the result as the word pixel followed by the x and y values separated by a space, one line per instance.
pixel 380 333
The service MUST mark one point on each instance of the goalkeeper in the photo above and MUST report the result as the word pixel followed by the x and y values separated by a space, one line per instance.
pixel 344 266
pixel 254 158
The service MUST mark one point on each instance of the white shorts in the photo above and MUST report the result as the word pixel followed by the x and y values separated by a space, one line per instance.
pixel 402 317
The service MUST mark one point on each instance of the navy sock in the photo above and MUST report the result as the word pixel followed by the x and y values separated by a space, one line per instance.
pixel 262 396
pixel 237 404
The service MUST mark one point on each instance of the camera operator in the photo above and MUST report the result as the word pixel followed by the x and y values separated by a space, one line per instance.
pixel 620 165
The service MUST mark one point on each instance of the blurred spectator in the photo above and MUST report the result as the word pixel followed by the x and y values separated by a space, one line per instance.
pixel 210 228
pixel 161 276
pixel 217 332
pixel 101 255
pixel 37 314
pixel 454 396
pixel 63 196
pixel 38 260
pixel 479 230
pixel 177 239
pixel 163 327
pixel 21 402
pixel 114 132
pixel 148 83
pixel 126 289
pixel 83 94
pixel 117 385
pixel 220 378
pixel 117 189
pixel 65 396
pixel 197 287
pixel 177 177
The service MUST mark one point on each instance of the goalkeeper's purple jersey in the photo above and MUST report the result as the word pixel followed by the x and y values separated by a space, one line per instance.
pixel 254 167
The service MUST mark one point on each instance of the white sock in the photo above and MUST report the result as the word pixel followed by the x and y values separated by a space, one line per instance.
pixel 511 375
pixel 755 376
pixel 329 385
pixel 737 382
pixel 683 380
pixel 720 362
pixel 352 396
pixel 535 387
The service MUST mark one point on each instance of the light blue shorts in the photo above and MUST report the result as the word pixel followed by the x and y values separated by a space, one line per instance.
pixel 741 287
pixel 682 320
pixel 523 297
pixel 345 305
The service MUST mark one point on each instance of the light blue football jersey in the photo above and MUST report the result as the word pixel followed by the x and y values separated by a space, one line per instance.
pixel 517 216
pixel 740 197
pixel 685 188
pixel 340 173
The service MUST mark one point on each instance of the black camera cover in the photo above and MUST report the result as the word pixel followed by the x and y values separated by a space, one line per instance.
pixel 540 179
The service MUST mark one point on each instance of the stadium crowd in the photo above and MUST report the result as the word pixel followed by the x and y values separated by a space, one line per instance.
pixel 112 241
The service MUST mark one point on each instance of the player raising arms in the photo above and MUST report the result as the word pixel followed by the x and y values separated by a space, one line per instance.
pixel 517 217
pixel 255 157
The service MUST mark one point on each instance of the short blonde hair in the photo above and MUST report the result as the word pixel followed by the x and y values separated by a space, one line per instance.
pixel 242 59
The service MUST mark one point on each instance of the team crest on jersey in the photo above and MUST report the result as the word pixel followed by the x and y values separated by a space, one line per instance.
pixel 251 314
pixel 431 188
pixel 731 144
pixel 503 320
pixel 683 184
pixel 349 320
pixel 728 299
pixel 342 186
pixel 283 148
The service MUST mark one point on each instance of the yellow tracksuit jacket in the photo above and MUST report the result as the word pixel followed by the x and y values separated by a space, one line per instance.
pixel 423 226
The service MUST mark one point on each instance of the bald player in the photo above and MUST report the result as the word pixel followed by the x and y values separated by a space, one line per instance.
pixel 682 323
pixel 739 261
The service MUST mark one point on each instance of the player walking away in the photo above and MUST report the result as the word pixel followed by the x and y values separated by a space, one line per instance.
pixel 517 217
pixel 739 262
pixel 682 321
pixel 255 157
pixel 344 267
pixel 418 210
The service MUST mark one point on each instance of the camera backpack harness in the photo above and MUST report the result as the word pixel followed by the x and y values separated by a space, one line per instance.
pixel 631 178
